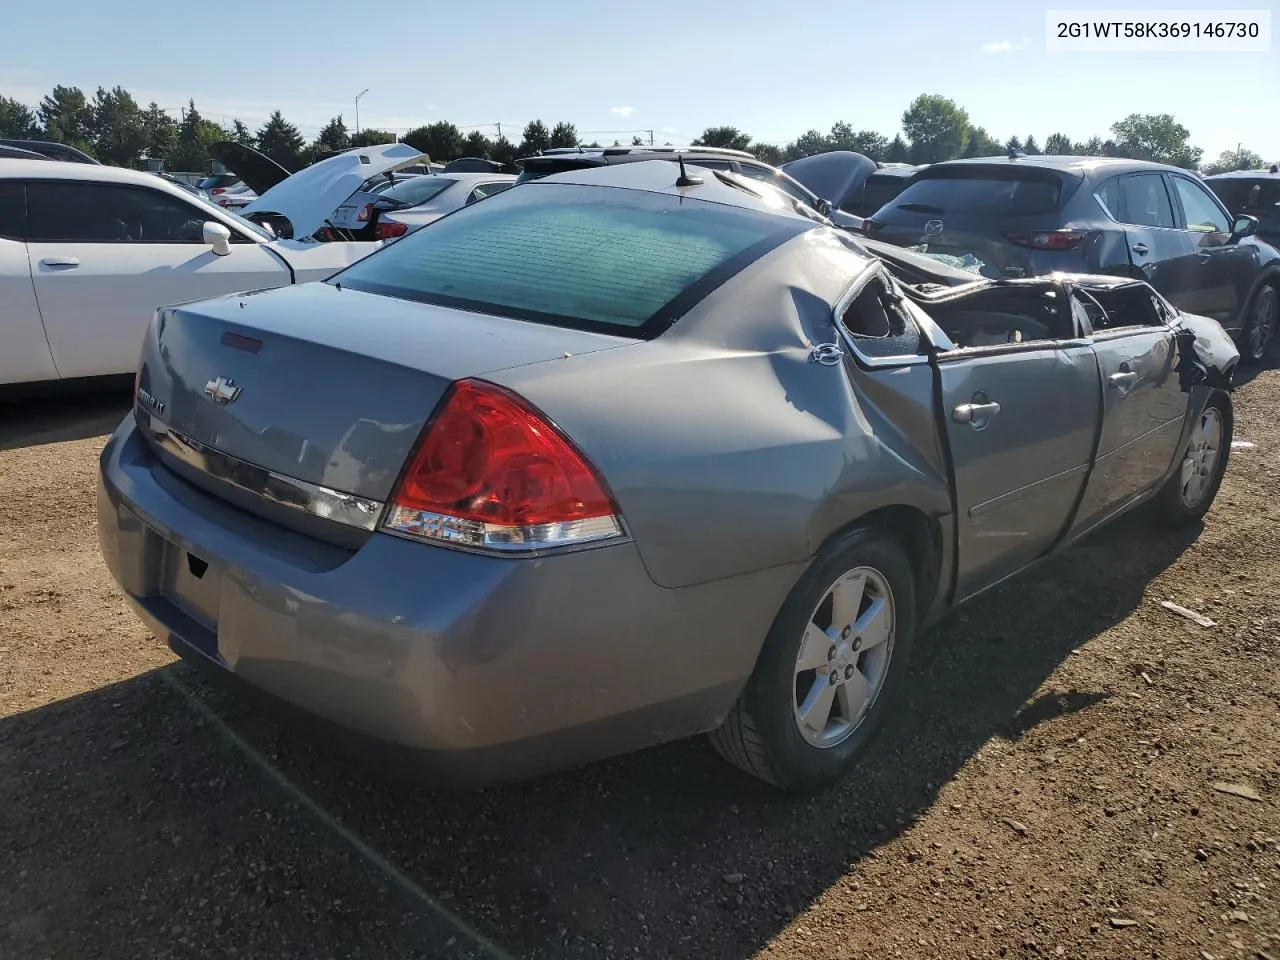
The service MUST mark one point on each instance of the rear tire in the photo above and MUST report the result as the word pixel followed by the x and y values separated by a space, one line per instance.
pixel 1188 494
pixel 829 668
pixel 1259 325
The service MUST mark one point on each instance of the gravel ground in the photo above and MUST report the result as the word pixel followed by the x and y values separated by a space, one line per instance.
pixel 1047 786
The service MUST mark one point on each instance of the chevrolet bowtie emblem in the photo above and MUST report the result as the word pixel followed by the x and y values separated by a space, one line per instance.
pixel 222 390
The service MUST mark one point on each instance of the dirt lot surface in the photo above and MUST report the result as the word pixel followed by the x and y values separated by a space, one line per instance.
pixel 1046 788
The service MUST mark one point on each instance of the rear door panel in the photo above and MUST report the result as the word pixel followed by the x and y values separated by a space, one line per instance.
pixel 1019 474
pixel 24 351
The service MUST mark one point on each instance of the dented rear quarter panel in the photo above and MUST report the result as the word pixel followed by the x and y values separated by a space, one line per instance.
pixel 727 450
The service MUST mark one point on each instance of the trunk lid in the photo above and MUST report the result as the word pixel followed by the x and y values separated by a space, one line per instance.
pixel 309 197
pixel 322 385
pixel 967 213
pixel 257 171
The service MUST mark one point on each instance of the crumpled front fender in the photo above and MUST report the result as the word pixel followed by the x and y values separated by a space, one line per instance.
pixel 1207 356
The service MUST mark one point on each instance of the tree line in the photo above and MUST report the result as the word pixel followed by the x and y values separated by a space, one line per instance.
pixel 115 129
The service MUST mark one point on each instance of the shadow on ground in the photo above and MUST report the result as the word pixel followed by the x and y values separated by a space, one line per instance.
pixel 638 856
pixel 58 416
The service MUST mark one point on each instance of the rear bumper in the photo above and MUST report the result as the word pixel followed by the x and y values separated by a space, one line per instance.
pixel 481 668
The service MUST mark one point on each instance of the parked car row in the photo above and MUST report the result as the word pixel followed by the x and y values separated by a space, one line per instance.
pixel 631 452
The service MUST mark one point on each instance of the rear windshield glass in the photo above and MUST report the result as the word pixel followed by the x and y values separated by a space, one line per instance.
pixel 217 180
pixel 1008 196
pixel 877 190
pixel 602 258
pixel 415 190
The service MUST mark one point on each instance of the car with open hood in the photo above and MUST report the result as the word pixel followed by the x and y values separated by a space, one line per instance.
pixel 626 454
pixel 317 202
pixel 1023 216
pixel 88 252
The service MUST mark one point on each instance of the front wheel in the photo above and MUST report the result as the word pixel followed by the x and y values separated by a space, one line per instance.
pixel 829 667
pixel 1188 494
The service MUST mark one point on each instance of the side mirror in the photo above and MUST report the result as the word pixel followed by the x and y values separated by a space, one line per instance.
pixel 825 208
pixel 1244 226
pixel 217 236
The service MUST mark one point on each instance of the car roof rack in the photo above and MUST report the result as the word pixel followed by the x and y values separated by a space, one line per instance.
pixel 621 151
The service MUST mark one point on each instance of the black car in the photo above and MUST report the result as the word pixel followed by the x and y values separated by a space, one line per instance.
pixel 561 159
pixel 50 149
pixel 1021 216
pixel 1255 193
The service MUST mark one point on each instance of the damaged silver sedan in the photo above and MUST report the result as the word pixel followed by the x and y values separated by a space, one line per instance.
pixel 630 454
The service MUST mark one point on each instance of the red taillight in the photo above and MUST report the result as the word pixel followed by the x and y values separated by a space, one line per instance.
pixel 491 472
pixel 1049 239
pixel 387 231
pixel 217 190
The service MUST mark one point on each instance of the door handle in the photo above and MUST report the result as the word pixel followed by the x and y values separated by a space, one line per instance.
pixel 60 262
pixel 1125 378
pixel 1140 249
pixel 975 414
pixel 1205 256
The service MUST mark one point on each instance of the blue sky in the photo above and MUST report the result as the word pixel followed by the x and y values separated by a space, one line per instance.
pixel 773 69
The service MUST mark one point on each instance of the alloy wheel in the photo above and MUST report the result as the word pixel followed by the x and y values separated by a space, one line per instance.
pixel 844 657
pixel 1263 322
pixel 1200 464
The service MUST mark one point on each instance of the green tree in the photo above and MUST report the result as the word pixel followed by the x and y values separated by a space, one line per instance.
pixel 333 136
pixel 441 141
pixel 768 153
pixel 1031 148
pixel 1093 147
pixel 637 141
pixel 504 151
pixel 368 137
pixel 476 144
pixel 1157 137
pixel 564 135
pixel 982 144
pixel 898 150
pixel 241 133
pixel 536 138
pixel 66 116
pixel 1241 159
pixel 118 124
pixel 16 120
pixel 1013 143
pixel 1059 145
pixel 196 136
pixel 936 127
pixel 866 142
pixel 729 138
pixel 161 132
pixel 281 141
pixel 807 144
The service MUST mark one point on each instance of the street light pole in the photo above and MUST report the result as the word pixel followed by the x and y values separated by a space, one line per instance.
pixel 358 96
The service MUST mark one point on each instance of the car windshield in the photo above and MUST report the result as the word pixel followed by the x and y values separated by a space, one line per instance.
pixel 597 258
pixel 982 195
pixel 412 191
pixel 877 190
pixel 1242 195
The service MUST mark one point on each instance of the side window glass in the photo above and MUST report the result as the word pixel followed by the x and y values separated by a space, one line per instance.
pixel 879 324
pixel 13 210
pixel 1144 201
pixel 1203 215
pixel 1109 196
pixel 104 213
pixel 1120 307
pixel 765 175
pixel 485 190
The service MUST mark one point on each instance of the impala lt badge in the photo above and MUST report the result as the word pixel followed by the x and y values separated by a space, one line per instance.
pixel 222 390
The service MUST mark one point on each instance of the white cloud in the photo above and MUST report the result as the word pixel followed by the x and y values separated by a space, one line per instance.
pixel 1005 46
pixel 622 111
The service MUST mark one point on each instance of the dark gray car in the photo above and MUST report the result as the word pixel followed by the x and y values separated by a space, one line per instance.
pixel 1026 216
pixel 609 459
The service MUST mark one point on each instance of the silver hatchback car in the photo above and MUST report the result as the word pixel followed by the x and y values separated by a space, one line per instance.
pixel 629 454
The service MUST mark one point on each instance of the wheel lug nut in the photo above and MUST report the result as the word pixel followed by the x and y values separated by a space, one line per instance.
pixel 844 634
pixel 835 677
pixel 831 654
pixel 857 643
pixel 848 672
